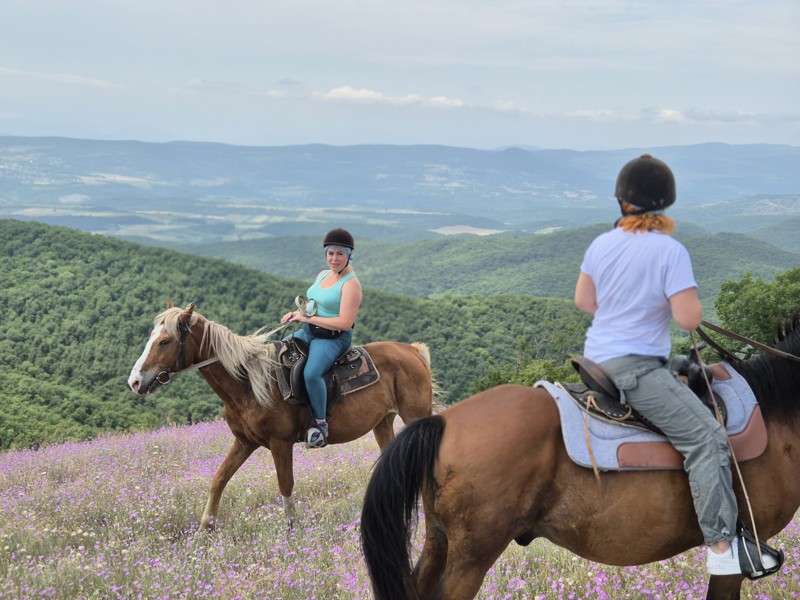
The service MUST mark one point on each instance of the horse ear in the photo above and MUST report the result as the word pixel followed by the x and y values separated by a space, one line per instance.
pixel 170 304
pixel 190 308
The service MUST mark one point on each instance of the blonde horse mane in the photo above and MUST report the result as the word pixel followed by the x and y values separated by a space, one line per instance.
pixel 249 357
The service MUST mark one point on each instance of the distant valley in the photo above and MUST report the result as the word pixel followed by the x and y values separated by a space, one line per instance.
pixel 198 193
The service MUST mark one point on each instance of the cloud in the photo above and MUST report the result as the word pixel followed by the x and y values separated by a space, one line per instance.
pixel 670 115
pixel 61 78
pixel 350 94
pixel 347 93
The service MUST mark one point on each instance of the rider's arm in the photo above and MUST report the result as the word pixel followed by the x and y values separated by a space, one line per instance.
pixel 686 309
pixel 586 294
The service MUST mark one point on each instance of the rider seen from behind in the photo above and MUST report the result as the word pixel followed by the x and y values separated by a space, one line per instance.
pixel 635 280
pixel 328 320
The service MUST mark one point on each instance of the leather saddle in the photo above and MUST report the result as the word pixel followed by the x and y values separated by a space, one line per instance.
pixel 599 396
pixel 352 371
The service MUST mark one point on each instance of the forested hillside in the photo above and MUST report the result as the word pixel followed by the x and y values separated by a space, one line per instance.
pixel 77 309
pixel 543 265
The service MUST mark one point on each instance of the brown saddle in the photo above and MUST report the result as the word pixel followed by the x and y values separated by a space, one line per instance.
pixel 599 396
pixel 352 371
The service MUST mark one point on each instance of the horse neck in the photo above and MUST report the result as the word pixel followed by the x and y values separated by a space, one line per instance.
pixel 775 382
pixel 198 335
pixel 241 358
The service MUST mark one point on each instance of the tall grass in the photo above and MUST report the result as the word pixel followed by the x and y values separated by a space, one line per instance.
pixel 118 518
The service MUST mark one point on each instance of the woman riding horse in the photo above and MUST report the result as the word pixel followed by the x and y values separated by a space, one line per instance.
pixel 635 279
pixel 328 321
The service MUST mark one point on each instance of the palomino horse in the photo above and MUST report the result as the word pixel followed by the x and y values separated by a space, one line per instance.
pixel 494 468
pixel 241 370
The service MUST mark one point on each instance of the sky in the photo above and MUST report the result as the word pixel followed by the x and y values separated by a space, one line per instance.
pixel 578 74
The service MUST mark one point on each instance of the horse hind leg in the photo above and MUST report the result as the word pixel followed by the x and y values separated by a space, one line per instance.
pixel 238 453
pixel 384 430
pixel 724 587
pixel 432 561
pixel 463 577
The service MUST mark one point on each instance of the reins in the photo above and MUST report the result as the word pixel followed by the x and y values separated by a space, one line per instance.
pixel 739 338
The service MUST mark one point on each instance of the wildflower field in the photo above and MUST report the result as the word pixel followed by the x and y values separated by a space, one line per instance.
pixel 118 517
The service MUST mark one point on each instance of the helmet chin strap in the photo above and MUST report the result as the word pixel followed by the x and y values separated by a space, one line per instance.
pixel 633 213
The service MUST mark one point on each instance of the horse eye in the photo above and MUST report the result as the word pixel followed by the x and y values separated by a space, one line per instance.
pixel 164 343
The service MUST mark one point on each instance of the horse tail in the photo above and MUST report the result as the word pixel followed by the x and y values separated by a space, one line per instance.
pixel 425 355
pixel 424 352
pixel 390 507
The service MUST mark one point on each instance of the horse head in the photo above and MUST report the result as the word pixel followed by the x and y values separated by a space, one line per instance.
pixel 171 348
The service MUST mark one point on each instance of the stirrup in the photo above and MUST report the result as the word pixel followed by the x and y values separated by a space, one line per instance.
pixel 316 437
pixel 750 559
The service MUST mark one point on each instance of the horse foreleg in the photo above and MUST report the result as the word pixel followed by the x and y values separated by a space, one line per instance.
pixel 724 587
pixel 384 431
pixel 284 470
pixel 237 454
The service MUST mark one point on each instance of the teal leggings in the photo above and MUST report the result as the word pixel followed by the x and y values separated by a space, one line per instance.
pixel 322 353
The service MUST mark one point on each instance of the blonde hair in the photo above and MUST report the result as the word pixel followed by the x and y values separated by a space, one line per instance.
pixel 644 222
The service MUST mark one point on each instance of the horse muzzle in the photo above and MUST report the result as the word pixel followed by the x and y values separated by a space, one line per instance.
pixel 145 384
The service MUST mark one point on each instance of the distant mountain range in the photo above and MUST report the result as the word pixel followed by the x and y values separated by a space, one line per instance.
pixel 185 192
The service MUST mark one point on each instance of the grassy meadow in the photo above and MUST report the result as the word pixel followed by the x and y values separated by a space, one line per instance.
pixel 117 518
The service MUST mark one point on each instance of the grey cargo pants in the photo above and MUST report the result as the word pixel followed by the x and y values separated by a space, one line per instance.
pixel 646 385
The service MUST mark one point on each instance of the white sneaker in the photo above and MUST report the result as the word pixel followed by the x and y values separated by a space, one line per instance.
pixel 727 563
pixel 724 563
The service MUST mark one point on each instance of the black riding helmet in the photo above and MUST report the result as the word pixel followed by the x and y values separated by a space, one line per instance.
pixel 647 184
pixel 339 237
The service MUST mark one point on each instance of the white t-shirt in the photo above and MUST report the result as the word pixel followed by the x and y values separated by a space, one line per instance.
pixel 634 275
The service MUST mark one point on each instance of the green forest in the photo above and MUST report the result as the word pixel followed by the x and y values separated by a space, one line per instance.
pixel 542 265
pixel 77 310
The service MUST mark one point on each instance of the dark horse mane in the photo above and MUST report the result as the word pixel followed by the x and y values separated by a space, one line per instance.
pixel 775 380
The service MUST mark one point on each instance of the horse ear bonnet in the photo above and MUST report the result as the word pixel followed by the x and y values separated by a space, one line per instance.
pixel 646 183
pixel 339 237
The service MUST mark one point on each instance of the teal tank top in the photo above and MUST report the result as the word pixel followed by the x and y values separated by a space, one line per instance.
pixel 326 300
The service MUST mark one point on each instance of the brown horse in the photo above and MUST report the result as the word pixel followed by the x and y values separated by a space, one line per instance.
pixel 494 469
pixel 241 370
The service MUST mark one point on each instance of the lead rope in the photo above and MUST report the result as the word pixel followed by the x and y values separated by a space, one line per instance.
pixel 719 418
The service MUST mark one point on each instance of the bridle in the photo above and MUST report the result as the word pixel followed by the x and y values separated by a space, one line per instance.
pixel 166 376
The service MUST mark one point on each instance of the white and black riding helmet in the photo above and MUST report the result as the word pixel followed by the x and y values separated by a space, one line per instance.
pixel 647 184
